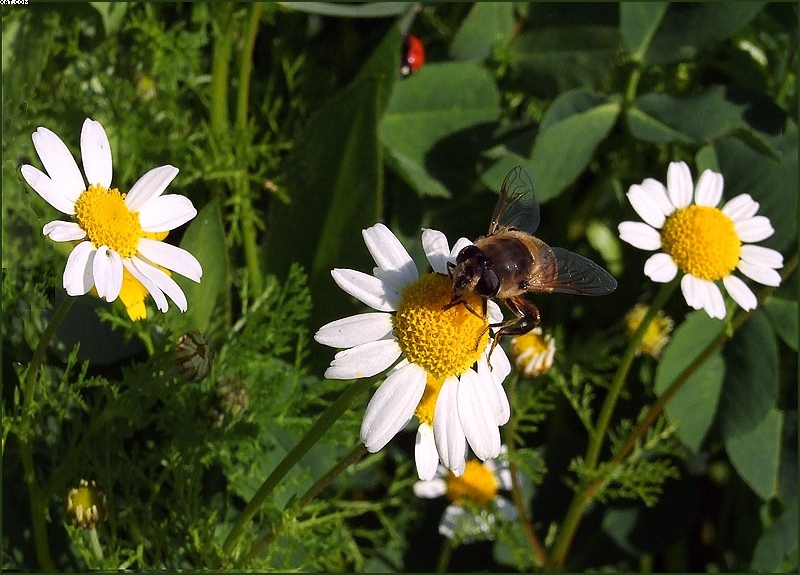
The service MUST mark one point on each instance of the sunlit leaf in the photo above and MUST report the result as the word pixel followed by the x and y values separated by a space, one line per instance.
pixel 639 22
pixel 486 23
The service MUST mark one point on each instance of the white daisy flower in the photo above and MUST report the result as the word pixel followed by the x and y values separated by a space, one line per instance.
pixel 703 241
pixel 437 348
pixel 476 502
pixel 533 352
pixel 118 228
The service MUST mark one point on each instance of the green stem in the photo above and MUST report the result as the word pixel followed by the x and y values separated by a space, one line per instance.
pixel 220 66
pixel 583 496
pixel 95 543
pixel 444 556
pixel 249 232
pixel 41 349
pixel 539 553
pixel 351 458
pixel 325 421
pixel 38 516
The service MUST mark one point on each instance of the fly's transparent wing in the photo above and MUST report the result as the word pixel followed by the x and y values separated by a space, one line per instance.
pixel 516 207
pixel 576 274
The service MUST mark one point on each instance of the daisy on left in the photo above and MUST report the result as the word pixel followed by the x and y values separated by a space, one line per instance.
pixel 117 228
pixel 443 376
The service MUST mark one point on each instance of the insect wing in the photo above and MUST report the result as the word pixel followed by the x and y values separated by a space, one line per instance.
pixel 575 274
pixel 517 207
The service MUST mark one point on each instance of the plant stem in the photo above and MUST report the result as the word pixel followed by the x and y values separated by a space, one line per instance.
pixel 220 65
pixel 325 421
pixel 95 542
pixel 41 349
pixel 583 496
pixel 444 556
pixel 249 232
pixel 351 458
pixel 38 518
pixel 539 553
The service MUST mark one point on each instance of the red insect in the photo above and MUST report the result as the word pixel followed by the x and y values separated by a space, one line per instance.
pixel 413 56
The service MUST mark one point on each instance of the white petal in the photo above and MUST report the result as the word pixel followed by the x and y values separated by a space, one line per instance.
pixel 658 194
pixel 370 290
pixel 447 431
pixel 96 154
pixel 505 508
pixel 639 235
pixel 397 266
pixel 646 206
pixel 761 256
pixel 149 186
pixel 355 330
pixel 500 365
pixel 364 360
pixel 740 293
pixel 715 305
pixel 166 213
pixel 392 406
pixel 430 489
pixel 693 291
pixel 460 244
pixel 436 249
pixel 762 274
pixel 171 257
pixel 754 229
pixel 426 456
pixel 78 277
pixel 158 296
pixel 452 517
pixel 709 189
pixel 741 207
pixel 162 281
pixel 57 195
pixel 59 163
pixel 494 312
pixel 477 412
pixel 660 268
pixel 496 384
pixel 679 184
pixel 107 272
pixel 59 231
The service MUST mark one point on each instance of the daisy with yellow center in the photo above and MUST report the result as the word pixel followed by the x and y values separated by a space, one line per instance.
pixel 117 228
pixel 442 376
pixel 476 501
pixel 533 352
pixel 703 241
pixel 656 336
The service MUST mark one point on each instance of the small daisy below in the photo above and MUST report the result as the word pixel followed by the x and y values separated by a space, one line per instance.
pixel 655 337
pixel 703 241
pixel 476 503
pixel 120 247
pixel 442 376
pixel 533 352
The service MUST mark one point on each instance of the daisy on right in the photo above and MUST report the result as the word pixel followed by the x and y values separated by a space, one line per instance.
pixel 703 241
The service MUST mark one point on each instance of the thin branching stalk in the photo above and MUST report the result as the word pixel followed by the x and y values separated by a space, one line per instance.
pixel 325 421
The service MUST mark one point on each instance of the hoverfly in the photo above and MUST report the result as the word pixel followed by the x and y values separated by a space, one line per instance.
pixel 509 261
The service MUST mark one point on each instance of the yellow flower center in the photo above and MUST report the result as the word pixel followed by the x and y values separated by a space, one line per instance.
pixel 477 484
pixel 533 352
pixel 657 334
pixel 702 241
pixel 108 221
pixel 445 342
pixel 87 505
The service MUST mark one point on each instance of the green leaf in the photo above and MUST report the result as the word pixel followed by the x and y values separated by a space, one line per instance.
pixel 486 23
pixel 782 315
pixel 345 10
pixel 755 454
pixel 689 27
pixel 770 181
pixel 205 239
pixel 695 403
pixel 549 61
pixel 438 121
pixel 778 541
pixel 638 23
pixel 573 127
pixel 112 14
pixel 26 48
pixel 719 111
pixel 334 178
pixel 751 381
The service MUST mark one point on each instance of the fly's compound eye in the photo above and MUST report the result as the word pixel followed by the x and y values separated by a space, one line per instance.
pixel 489 284
pixel 468 252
